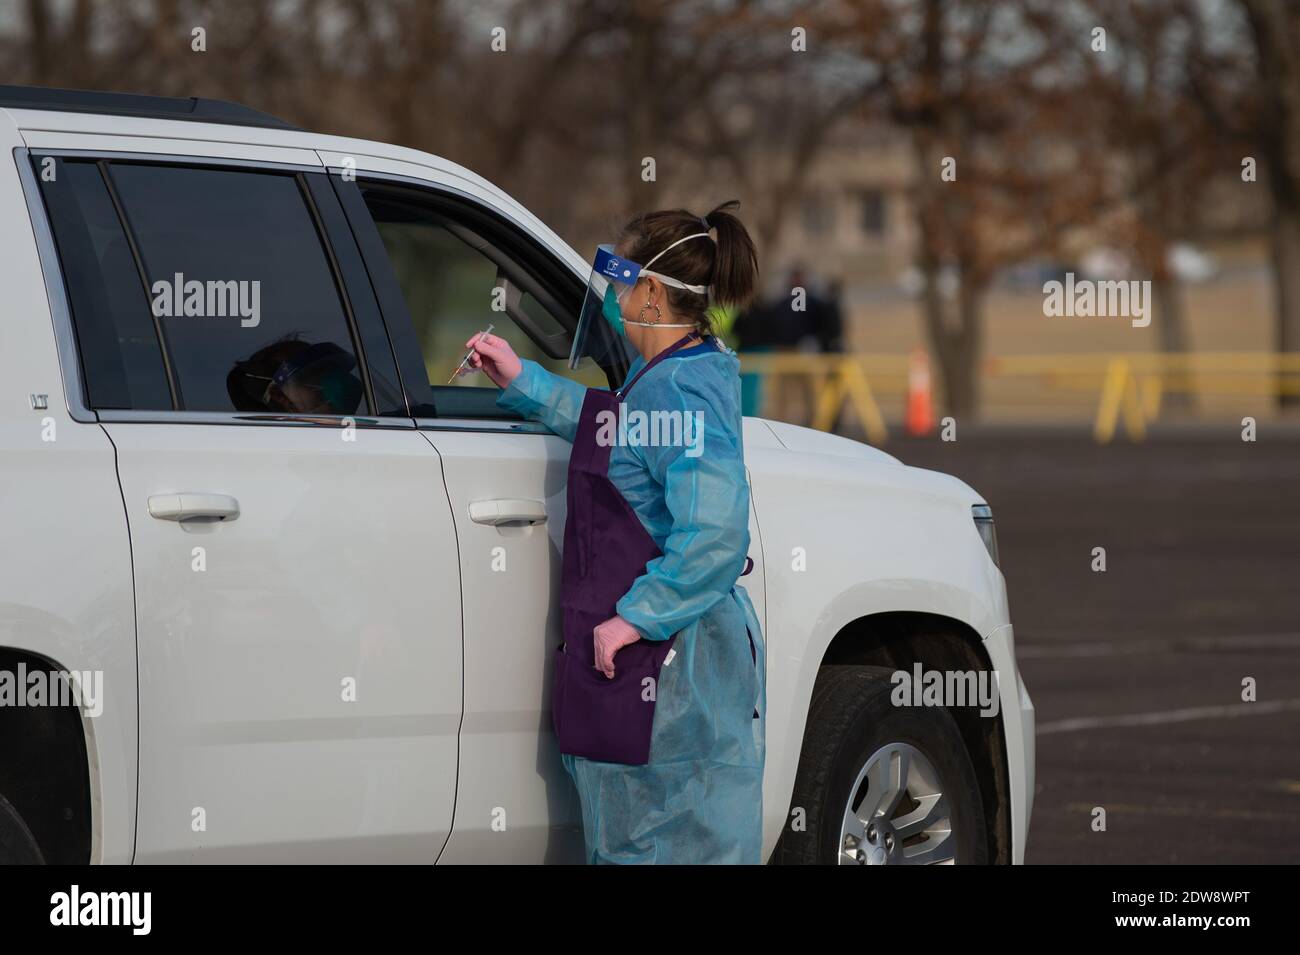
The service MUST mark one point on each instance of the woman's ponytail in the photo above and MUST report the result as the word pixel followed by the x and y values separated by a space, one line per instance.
pixel 726 260
pixel 735 269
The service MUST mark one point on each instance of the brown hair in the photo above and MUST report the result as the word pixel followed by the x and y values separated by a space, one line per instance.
pixel 729 263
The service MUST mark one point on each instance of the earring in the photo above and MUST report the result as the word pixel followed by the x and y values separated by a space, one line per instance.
pixel 640 316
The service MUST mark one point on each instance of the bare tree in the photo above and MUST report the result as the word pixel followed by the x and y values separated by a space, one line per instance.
pixel 1275 131
pixel 979 90
pixel 1159 148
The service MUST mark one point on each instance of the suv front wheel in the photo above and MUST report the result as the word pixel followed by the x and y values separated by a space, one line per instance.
pixel 880 784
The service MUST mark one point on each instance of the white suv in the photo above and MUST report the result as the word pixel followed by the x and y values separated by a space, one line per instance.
pixel 318 629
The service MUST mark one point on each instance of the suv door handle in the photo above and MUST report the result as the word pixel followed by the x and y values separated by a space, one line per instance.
pixel 507 512
pixel 184 507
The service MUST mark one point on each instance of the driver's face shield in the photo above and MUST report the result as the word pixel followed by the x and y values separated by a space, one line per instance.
pixel 600 321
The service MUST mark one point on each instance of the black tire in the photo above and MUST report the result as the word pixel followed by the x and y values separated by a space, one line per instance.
pixel 850 719
pixel 17 844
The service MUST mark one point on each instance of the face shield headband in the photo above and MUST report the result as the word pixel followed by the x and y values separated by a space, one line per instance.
pixel 668 279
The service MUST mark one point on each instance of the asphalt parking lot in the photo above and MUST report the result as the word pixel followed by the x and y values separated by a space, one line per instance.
pixel 1136 673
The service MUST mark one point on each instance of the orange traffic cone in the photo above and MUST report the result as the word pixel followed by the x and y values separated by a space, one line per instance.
pixel 919 417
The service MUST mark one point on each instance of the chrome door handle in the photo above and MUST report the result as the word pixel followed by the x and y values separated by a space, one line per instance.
pixel 507 512
pixel 184 507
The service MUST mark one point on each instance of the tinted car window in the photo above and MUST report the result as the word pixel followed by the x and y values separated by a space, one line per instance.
pixel 121 360
pixel 242 288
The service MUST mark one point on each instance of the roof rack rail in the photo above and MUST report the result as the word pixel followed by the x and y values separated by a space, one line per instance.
pixel 192 108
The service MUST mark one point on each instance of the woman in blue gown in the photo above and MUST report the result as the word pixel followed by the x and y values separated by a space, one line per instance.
pixel 699 797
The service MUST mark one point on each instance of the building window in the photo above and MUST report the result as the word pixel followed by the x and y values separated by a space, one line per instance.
pixel 873 212
pixel 816 216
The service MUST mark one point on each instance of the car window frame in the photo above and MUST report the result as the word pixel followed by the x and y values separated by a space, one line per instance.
pixel 392 300
pixel 337 244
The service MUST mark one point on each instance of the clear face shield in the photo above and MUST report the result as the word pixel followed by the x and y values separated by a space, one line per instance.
pixel 600 323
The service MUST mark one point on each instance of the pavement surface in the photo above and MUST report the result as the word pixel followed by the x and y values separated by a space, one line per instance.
pixel 1136 673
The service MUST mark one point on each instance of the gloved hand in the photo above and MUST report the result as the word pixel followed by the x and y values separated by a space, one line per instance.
pixel 494 356
pixel 611 636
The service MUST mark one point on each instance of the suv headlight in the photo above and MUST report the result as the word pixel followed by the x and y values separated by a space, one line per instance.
pixel 982 514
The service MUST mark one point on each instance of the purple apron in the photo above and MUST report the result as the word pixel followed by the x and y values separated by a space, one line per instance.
pixel 606 548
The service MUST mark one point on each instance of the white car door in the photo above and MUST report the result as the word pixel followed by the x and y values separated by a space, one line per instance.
pixel 297 584
pixel 445 266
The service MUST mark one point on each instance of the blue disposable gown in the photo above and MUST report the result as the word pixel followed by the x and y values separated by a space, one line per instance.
pixel 700 797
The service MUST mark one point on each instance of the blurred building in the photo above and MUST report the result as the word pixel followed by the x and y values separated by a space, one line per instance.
pixel 855 221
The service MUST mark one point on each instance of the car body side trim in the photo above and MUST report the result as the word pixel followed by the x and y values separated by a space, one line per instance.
pixel 179 159
pixel 494 425
pixel 163 416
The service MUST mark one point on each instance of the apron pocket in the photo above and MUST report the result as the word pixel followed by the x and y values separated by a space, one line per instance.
pixel 603 719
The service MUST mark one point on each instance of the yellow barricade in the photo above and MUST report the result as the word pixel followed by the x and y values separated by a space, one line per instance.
pixel 1131 387
pixel 837 380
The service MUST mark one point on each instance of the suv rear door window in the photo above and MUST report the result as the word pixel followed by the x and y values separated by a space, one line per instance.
pixel 242 289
